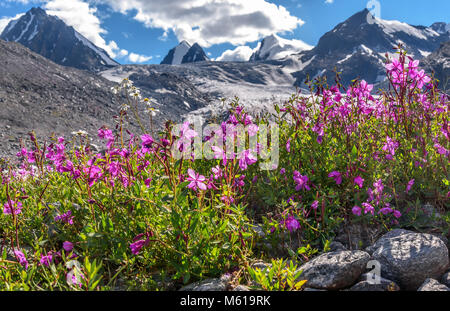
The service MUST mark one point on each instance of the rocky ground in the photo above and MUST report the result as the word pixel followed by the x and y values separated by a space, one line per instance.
pixel 37 94
pixel 406 260
pixel 364 258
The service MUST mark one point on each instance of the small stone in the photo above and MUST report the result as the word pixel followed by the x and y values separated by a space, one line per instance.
pixel 368 282
pixel 261 265
pixel 308 289
pixel 431 285
pixel 206 285
pixel 446 279
pixel 241 288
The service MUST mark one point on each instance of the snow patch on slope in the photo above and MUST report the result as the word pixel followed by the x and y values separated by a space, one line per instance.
pixel 101 53
pixel 180 52
pixel 392 27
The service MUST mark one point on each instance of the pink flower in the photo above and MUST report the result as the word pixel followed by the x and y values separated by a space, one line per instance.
pixel 390 146
pixel 378 186
pixel 14 206
pixel 288 145
pixel 356 210
pixel 66 218
pixel 409 185
pixel 147 141
pixel 301 181
pixel 291 224
pixel 386 210
pixel 217 171
pixel 197 180
pixel 22 259
pixel 68 246
pixel 422 78
pixel 147 182
pixel 394 66
pixel 336 176
pixel 397 214
pixel 441 150
pixel 246 158
pixel 359 181
pixel 315 205
pixel 368 208
pixel 46 260
pixel 138 245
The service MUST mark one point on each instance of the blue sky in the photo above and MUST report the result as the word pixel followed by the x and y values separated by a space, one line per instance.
pixel 143 31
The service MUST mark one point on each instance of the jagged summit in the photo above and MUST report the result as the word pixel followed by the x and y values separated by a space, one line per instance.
pixel 52 38
pixel 357 47
pixel 274 47
pixel 184 53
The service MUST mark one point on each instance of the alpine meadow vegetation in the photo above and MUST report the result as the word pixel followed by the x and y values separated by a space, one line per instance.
pixel 136 217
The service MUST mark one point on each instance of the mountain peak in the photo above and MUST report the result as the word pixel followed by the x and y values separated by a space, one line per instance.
pixel 185 53
pixel 37 11
pixel 185 43
pixel 274 47
pixel 52 38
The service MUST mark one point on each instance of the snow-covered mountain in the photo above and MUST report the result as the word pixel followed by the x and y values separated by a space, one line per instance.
pixel 438 63
pixel 357 48
pixel 274 47
pixel 441 27
pixel 185 53
pixel 52 38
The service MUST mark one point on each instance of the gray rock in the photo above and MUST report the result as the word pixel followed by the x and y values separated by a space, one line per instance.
pixel 368 283
pixel 308 289
pixel 241 288
pixel 337 246
pixel 334 270
pixel 261 265
pixel 431 285
pixel 219 284
pixel 357 236
pixel 446 279
pixel 409 258
pixel 391 234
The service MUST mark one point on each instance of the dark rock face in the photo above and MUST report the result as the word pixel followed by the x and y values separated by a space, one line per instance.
pixel 439 63
pixel 195 54
pixel 334 270
pixel 50 37
pixel 409 258
pixel 357 47
pixel 37 94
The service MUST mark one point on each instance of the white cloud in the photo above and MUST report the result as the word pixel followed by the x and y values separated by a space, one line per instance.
pixel 4 21
pixel 240 54
pixel 329 1
pixel 136 58
pixel 81 16
pixel 210 22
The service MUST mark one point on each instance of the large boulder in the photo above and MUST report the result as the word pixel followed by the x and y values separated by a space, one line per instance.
pixel 431 285
pixel 409 258
pixel 334 270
